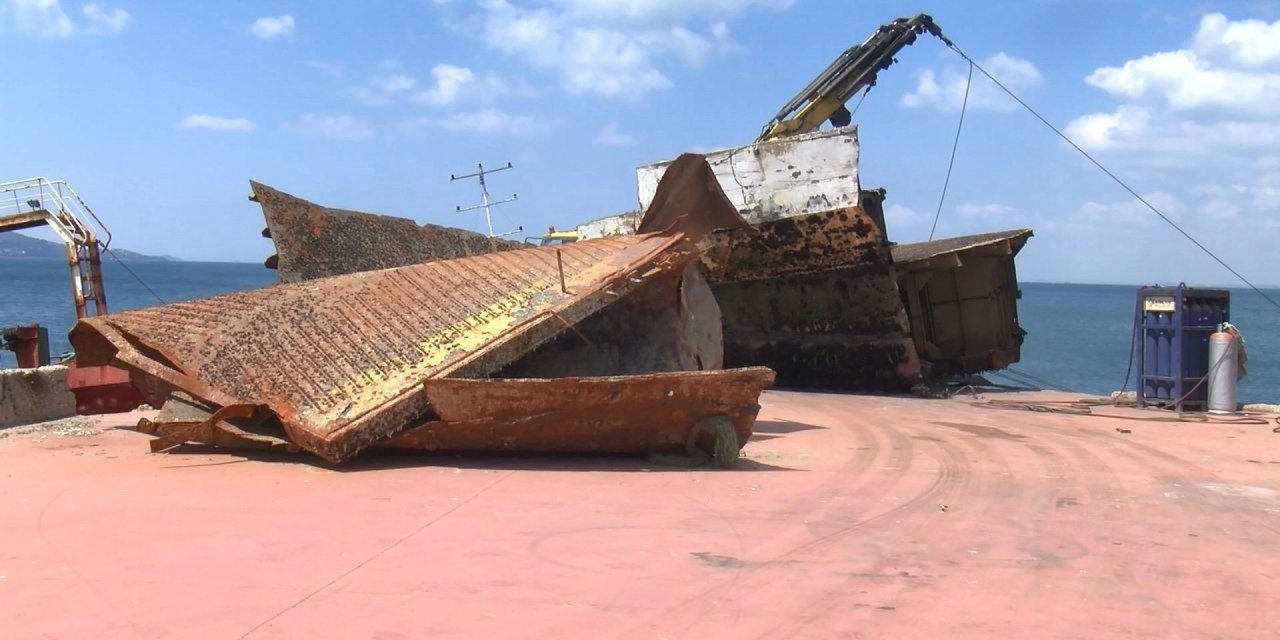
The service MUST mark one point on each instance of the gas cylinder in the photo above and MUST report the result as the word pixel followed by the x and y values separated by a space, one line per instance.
pixel 1224 353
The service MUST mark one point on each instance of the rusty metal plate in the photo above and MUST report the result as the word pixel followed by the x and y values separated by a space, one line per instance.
pixel 835 239
pixel 905 254
pixel 313 241
pixel 689 198
pixel 338 360
pixel 652 413
pixel 815 298
pixel 962 298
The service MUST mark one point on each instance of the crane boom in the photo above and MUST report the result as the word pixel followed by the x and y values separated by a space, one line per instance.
pixel 856 68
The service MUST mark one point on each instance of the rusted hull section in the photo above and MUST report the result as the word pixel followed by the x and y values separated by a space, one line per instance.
pixel 335 364
pixel 655 413
pixel 313 241
pixel 962 297
pixel 814 297
pixel 671 323
pixel 338 359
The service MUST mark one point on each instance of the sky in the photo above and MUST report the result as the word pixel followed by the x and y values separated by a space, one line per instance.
pixel 159 113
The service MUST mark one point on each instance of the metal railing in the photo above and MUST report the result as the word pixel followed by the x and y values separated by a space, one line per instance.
pixel 31 202
pixel 71 218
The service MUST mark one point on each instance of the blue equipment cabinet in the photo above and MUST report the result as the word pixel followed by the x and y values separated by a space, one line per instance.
pixel 1172 326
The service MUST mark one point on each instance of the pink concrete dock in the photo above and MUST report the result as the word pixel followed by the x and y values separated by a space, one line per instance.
pixel 851 516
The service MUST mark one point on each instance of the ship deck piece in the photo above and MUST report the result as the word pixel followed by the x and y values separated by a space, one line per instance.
pixel 849 516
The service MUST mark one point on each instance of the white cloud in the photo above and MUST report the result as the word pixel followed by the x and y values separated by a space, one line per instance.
pixel 610 135
pixel 1220 208
pixel 1248 43
pixel 103 20
pixel 1222 91
pixel 1182 81
pixel 991 210
pixel 946 89
pixel 450 80
pixel 896 214
pixel 1105 130
pixel 268 27
pixel 448 84
pixel 394 83
pixel 42 18
pixel 663 11
pixel 382 89
pixel 610 48
pixel 1130 211
pixel 1266 197
pixel 47 19
pixel 491 121
pixel 216 123
pixel 342 127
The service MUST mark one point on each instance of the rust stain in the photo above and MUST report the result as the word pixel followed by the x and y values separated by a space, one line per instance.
pixel 815 298
pixel 313 241
pixel 337 362
pixel 335 358
pixel 653 413
pixel 962 298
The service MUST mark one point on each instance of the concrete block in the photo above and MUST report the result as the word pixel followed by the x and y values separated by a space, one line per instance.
pixel 34 395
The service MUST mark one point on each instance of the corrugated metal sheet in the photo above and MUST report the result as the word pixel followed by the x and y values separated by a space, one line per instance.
pixel 338 359
pixel 905 254
pixel 313 241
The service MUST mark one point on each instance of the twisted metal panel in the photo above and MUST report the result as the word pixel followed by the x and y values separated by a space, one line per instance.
pixel 337 359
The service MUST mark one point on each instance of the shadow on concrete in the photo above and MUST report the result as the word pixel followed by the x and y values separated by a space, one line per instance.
pixel 385 459
pixel 764 429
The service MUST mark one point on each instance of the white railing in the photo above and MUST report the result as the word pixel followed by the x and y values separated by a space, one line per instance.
pixel 71 218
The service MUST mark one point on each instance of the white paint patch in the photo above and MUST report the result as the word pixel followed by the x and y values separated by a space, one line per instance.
pixel 780 178
pixel 1241 490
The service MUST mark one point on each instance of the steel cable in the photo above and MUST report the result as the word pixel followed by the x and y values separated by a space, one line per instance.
pixel 964 106
pixel 1113 176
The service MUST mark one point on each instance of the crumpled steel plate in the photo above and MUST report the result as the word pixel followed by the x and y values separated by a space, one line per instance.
pixel 338 360
pixel 313 241
pixel 651 413
pixel 814 297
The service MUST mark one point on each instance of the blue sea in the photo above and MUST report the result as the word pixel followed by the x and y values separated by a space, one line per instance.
pixel 1078 334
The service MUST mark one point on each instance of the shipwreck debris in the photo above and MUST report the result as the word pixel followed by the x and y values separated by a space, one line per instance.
pixel 814 298
pixel 314 241
pixel 821 295
pixel 811 292
pixel 962 297
pixel 334 365
pixel 651 413
pixel 338 359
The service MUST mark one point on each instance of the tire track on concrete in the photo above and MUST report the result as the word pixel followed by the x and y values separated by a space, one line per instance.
pixel 954 478
pixel 900 454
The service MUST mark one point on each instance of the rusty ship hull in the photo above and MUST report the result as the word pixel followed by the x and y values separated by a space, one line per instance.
pixel 820 293
pixel 333 365
pixel 654 413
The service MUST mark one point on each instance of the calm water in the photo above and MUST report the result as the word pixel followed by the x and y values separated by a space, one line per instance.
pixel 1078 340
pixel 1079 337
pixel 38 290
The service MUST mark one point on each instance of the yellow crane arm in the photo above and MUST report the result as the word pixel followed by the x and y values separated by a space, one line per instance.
pixel 824 97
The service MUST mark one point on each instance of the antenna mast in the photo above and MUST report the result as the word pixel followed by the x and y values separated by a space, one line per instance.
pixel 485 203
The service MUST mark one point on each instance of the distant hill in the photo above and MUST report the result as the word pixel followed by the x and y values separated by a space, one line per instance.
pixel 16 245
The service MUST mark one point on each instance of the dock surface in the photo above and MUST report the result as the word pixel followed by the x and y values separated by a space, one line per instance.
pixel 849 517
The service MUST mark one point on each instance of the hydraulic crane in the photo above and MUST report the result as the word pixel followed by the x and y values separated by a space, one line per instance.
pixel 824 97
